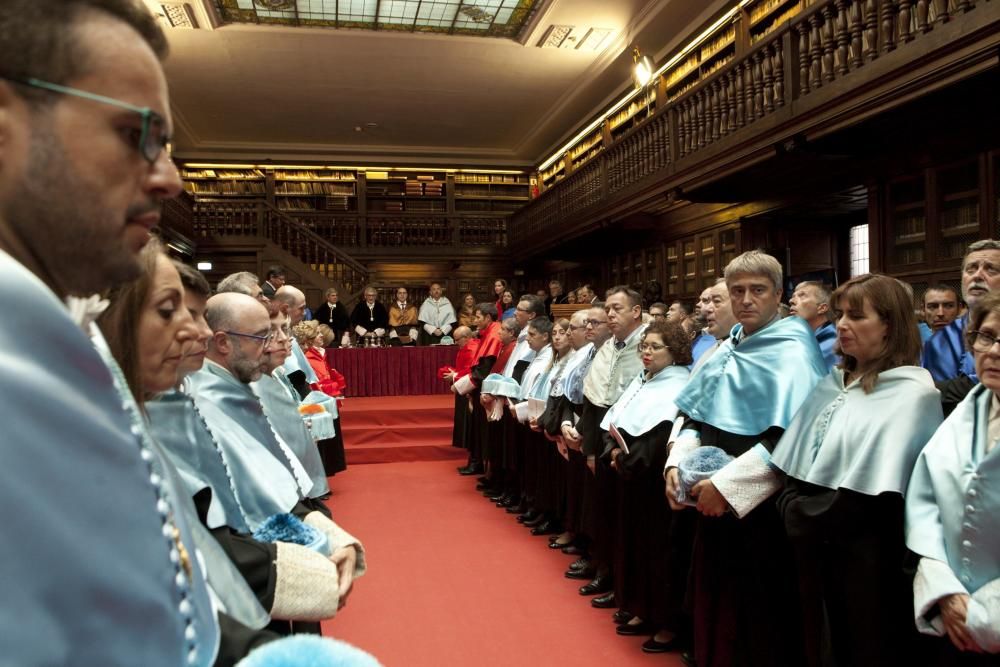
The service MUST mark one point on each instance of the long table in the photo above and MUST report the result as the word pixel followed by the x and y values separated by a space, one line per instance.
pixel 392 371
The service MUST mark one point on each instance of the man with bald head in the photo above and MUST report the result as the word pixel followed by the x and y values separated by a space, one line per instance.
pixel 238 353
pixel 291 301
pixel 468 345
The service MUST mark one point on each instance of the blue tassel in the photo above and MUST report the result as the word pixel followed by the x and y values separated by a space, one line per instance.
pixel 289 528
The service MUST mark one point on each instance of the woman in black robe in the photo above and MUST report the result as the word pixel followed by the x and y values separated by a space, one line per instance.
pixel 652 543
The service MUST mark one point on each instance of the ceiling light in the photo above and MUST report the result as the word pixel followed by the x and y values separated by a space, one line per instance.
pixel 642 69
pixel 204 266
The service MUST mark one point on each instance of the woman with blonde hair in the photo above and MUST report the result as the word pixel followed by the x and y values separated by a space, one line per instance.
pixel 467 313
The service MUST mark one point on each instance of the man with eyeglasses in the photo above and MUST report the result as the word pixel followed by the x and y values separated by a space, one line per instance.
pixel 615 364
pixel 945 356
pixel 91 572
pixel 237 356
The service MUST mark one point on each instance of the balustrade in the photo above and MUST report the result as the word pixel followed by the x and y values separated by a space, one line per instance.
pixel 826 42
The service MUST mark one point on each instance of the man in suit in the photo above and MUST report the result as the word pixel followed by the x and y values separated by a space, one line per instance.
pixel 555 296
pixel 275 280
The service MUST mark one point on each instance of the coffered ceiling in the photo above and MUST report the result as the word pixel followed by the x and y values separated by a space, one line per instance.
pixel 245 91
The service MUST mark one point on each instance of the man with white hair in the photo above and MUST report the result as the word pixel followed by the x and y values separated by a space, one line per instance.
pixel 945 355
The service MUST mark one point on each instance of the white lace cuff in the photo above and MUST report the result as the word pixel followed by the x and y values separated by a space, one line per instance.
pixel 934 581
pixel 360 330
pixel 747 480
pixel 464 385
pixel 983 619
pixel 445 329
pixel 339 538
pixel 429 328
pixel 686 441
pixel 306 585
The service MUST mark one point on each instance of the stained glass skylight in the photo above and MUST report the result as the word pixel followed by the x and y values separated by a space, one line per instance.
pixel 487 18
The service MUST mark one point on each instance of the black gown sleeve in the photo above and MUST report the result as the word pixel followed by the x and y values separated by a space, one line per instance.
pixel 254 560
pixel 482 369
pixel 646 452
pixel 237 640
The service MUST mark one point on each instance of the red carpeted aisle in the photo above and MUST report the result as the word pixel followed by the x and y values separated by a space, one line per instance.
pixel 455 581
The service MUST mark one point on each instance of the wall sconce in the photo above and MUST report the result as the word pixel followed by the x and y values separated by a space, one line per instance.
pixel 642 69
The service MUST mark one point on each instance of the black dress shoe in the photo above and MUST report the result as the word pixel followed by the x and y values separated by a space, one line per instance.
pixel 584 573
pixel 640 628
pixel 527 516
pixel 483 480
pixel 653 646
pixel 546 528
pixel 554 544
pixel 512 501
pixel 496 497
pixel 579 564
pixel 531 523
pixel 687 657
pixel 573 550
pixel 621 616
pixel 475 469
pixel 600 584
pixel 519 508
pixel 606 601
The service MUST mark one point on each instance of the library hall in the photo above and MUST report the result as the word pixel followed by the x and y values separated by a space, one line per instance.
pixel 500 333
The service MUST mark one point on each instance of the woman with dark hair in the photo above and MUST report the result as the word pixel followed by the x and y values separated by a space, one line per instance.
pixel 953 514
pixel 508 304
pixel 652 544
pixel 847 456
pixel 499 285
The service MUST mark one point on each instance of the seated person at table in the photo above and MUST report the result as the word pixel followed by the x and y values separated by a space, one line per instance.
pixel 402 320
pixel 467 314
pixel 436 318
pixel 333 314
pixel 369 317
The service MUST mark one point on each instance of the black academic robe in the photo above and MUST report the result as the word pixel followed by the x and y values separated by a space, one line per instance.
pixel 576 471
pixel 599 487
pixel 743 588
pixel 370 319
pixel 652 551
pixel 336 318
pixel 842 539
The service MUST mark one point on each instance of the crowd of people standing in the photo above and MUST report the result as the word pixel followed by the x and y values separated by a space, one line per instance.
pixel 752 489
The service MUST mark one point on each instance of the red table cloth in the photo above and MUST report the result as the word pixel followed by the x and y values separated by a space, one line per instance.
pixel 392 371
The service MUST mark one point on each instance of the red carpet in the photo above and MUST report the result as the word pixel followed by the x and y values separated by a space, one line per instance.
pixel 390 429
pixel 456 582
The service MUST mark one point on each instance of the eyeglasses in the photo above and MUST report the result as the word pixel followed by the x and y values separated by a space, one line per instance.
pixel 264 340
pixel 595 323
pixel 573 328
pixel 652 347
pixel 982 341
pixel 152 139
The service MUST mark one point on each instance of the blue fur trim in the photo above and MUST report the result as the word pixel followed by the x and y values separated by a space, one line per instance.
pixel 308 651
pixel 289 528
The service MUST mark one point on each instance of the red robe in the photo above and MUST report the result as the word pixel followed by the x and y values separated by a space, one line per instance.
pixel 329 380
pixel 502 358
pixel 490 345
pixel 465 358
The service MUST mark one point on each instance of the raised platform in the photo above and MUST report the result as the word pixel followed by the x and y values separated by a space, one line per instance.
pixel 388 429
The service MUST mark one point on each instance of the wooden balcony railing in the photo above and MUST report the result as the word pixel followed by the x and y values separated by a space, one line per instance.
pixel 258 218
pixel 831 44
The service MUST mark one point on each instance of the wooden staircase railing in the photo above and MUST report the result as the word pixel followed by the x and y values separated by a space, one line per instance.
pixel 258 218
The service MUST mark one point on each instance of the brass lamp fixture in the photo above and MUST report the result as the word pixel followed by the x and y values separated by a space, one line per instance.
pixel 642 69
